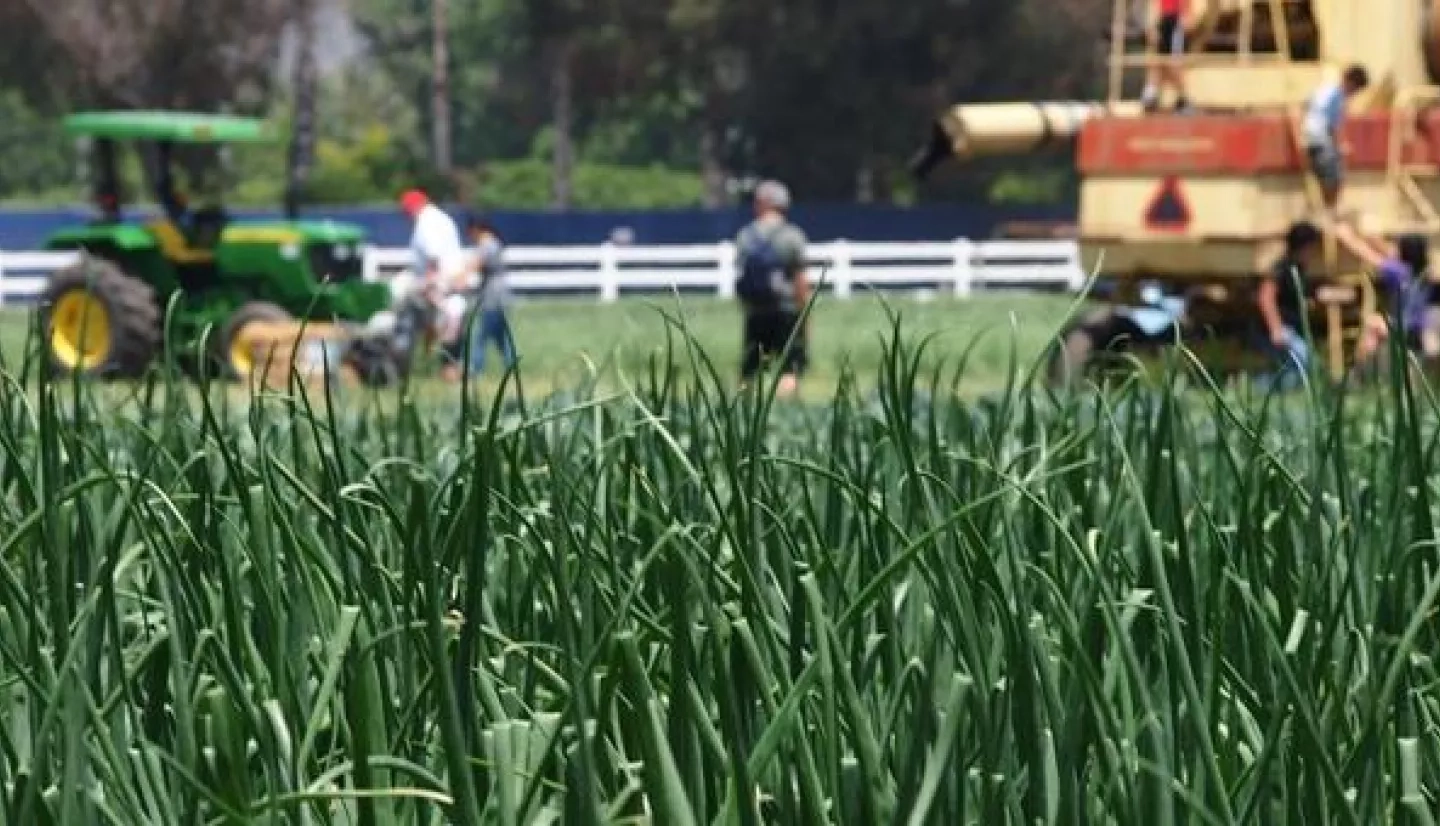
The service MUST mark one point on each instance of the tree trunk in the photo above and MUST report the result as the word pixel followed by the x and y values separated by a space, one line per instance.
pixel 440 88
pixel 712 171
pixel 563 126
pixel 302 139
pixel 865 183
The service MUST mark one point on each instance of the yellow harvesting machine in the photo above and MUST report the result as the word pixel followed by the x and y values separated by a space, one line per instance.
pixel 1195 203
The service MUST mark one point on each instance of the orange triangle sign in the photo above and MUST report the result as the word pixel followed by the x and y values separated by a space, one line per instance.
pixel 1168 209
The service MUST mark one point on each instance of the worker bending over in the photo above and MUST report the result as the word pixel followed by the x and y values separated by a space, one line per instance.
pixel 440 262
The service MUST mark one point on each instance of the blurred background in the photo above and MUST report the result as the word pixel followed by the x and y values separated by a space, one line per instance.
pixel 571 121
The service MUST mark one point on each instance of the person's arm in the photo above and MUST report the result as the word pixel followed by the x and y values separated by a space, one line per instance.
pixel 800 272
pixel 737 261
pixel 418 259
pixel 1337 136
pixel 420 250
pixel 492 257
pixel 484 263
pixel 1268 300
pixel 1392 273
pixel 1376 253
pixel 802 285
pixel 429 251
pixel 1372 253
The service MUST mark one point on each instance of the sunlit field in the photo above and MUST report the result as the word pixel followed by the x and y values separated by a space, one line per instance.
pixel 570 341
pixel 933 593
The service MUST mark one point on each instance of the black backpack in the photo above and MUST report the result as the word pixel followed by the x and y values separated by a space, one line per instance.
pixel 762 269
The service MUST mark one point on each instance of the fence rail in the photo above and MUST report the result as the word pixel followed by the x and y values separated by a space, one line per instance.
pixel 608 271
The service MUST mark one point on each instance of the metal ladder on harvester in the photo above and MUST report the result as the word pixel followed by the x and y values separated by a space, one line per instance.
pixel 1401 172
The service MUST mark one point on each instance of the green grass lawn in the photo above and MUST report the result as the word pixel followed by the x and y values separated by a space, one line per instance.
pixel 562 341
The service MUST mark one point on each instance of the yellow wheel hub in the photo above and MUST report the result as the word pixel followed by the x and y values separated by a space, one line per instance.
pixel 80 331
pixel 242 354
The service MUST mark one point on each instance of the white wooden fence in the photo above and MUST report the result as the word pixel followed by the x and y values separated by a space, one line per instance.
pixel 609 271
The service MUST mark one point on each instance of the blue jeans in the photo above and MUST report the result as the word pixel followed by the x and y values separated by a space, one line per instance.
pixel 491 326
pixel 1293 359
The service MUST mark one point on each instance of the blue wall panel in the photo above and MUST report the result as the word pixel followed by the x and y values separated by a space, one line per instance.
pixel 26 229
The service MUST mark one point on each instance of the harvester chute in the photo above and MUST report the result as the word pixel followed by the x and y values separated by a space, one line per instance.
pixel 978 130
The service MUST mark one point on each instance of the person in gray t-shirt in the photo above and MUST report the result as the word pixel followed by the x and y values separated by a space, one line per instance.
pixel 773 288
pixel 493 299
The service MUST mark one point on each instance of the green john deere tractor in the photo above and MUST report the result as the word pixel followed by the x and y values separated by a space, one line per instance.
pixel 244 281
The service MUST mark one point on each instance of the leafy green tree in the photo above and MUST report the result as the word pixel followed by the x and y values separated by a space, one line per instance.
pixel 39 160
pixel 611 96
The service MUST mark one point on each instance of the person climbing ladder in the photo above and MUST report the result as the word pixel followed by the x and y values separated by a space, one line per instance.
pixel 1322 130
pixel 1169 50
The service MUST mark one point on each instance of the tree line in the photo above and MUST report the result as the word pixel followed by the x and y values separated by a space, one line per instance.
pixel 553 103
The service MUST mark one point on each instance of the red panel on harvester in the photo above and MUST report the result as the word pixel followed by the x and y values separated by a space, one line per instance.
pixel 1233 144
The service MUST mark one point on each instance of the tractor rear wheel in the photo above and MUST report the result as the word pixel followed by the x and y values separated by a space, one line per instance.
pixel 236 346
pixel 99 322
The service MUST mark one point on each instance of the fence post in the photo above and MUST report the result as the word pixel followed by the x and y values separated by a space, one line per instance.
pixel 370 269
pixel 1077 272
pixel 609 273
pixel 964 267
pixel 840 265
pixel 725 261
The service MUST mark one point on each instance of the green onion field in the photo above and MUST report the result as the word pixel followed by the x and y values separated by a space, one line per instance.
pixel 929 592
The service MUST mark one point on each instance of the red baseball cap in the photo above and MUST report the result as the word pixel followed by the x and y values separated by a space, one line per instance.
pixel 413 200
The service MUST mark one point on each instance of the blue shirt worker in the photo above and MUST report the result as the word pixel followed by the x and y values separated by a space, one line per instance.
pixel 494 296
pixel 1321 129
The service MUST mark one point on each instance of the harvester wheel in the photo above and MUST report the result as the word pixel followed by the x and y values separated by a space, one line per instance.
pixel 1082 347
pixel 98 321
pixel 237 347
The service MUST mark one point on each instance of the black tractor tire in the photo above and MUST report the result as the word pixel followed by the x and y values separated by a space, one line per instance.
pixel 375 361
pixel 248 313
pixel 126 345
pixel 1085 345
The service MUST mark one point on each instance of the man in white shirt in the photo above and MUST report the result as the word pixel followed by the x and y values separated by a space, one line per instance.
pixel 440 261
pixel 1324 119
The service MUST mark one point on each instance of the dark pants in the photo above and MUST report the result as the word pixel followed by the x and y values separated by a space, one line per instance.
pixel 491 326
pixel 1171 35
pixel 1326 163
pixel 415 318
pixel 766 332
pixel 1290 360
